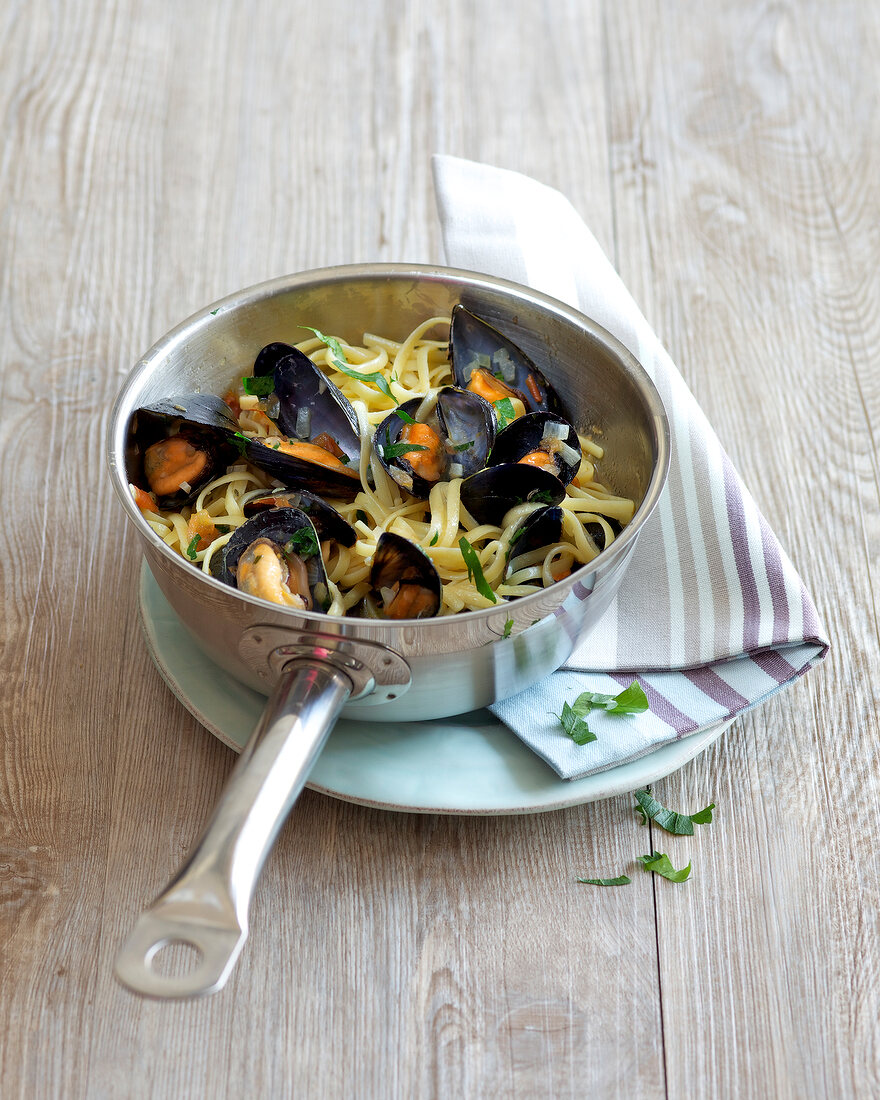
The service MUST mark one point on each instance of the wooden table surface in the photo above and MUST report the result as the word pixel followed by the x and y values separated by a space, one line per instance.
pixel 156 156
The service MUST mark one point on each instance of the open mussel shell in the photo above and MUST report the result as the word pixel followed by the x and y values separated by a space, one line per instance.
pixel 490 494
pixel 289 535
pixel 543 439
pixel 597 532
pixel 310 406
pixel 201 426
pixel 540 528
pixel 461 434
pixel 404 582
pixel 267 357
pixel 311 468
pixel 327 521
pixel 474 345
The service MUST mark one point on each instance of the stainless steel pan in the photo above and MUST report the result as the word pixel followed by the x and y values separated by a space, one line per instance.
pixel 311 665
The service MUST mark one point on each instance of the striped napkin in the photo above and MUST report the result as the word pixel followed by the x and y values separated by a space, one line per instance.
pixel 712 618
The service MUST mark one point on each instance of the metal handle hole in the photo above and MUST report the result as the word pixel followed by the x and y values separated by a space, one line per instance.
pixel 174 958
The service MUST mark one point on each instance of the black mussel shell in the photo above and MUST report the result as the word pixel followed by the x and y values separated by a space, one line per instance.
pixel 540 431
pixel 290 531
pixel 490 494
pixel 473 343
pixel 404 581
pixel 302 472
pixel 205 421
pixel 540 528
pixel 465 425
pixel 597 532
pixel 328 522
pixel 309 405
pixel 268 356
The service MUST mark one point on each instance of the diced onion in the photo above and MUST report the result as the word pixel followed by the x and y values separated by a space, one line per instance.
pixel 303 421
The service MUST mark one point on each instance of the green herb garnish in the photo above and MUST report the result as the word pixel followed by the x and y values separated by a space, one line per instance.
pixel 508 626
pixel 623 880
pixel 576 728
pixel 223 528
pixel 341 364
pixel 240 440
pixel 458 447
pixel 435 539
pixel 395 450
pixel 631 700
pixel 215 311
pixel 191 549
pixel 504 412
pixel 541 496
pixel 303 542
pixel 361 515
pixel 672 822
pixel 404 416
pixel 660 864
pixel 475 570
pixel 258 385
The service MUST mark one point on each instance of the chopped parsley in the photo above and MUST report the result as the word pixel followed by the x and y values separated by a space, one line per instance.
pixel 541 496
pixel 191 549
pixel 660 864
pixel 475 570
pixel 631 700
pixel 458 447
pixel 672 822
pixel 504 411
pixel 395 450
pixel 434 540
pixel 258 385
pixel 340 362
pixel 622 880
pixel 223 528
pixel 240 440
pixel 303 542
pixel 576 728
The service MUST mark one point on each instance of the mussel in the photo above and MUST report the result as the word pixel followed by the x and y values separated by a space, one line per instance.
pixel 320 448
pixel 327 521
pixel 490 494
pixel 540 528
pixel 540 439
pixel 180 444
pixel 486 361
pixel 404 582
pixel 436 439
pixel 276 556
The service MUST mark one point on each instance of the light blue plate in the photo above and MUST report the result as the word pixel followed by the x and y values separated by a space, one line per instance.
pixel 471 764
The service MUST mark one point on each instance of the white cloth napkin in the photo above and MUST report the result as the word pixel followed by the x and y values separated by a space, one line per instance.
pixel 712 618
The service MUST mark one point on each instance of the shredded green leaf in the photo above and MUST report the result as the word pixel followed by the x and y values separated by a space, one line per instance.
pixel 240 440
pixel 223 528
pixel 660 864
pixel 672 822
pixel 504 412
pixel 475 570
pixel 395 450
pixel 457 447
pixel 258 385
pixel 361 515
pixel 541 496
pixel 341 363
pixel 191 549
pixel 631 700
pixel 508 626
pixel 435 539
pixel 303 542
pixel 404 416
pixel 576 728
pixel 622 880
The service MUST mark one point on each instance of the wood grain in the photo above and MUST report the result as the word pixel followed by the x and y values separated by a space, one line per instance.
pixel 155 157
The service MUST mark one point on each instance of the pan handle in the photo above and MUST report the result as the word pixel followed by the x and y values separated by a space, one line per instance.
pixel 206 904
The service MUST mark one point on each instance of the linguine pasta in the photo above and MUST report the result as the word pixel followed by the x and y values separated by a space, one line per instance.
pixel 413 368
